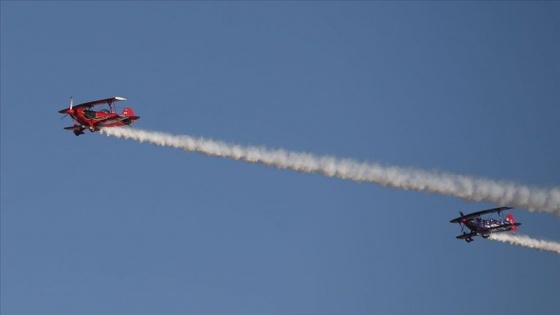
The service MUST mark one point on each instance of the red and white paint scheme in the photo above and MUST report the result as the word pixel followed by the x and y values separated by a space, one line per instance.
pixel 86 118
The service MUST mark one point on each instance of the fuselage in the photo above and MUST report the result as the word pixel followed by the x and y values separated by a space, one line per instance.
pixel 478 224
pixel 88 118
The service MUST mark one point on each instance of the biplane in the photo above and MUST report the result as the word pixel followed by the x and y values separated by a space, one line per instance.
pixel 85 118
pixel 478 226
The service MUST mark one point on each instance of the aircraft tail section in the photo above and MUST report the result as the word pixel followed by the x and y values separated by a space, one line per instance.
pixel 127 111
pixel 511 220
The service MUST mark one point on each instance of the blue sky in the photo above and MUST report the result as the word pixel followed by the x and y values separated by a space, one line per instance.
pixel 94 224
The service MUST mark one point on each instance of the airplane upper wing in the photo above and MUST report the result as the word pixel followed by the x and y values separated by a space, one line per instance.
pixel 94 103
pixel 479 213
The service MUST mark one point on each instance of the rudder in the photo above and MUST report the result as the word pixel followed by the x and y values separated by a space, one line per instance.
pixel 127 111
pixel 511 220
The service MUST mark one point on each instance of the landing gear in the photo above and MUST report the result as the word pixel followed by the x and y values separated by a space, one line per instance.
pixel 78 132
pixel 468 239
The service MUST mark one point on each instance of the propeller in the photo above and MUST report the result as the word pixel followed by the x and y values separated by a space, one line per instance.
pixel 71 105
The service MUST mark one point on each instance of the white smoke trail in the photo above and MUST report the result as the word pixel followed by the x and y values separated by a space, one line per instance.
pixel 526 241
pixel 465 187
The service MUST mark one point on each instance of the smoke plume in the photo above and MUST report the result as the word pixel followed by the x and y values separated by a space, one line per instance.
pixel 461 186
pixel 526 241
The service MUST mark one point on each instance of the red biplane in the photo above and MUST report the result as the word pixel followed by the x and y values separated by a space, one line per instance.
pixel 86 118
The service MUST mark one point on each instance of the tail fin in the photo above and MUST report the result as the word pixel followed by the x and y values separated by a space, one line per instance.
pixel 127 112
pixel 511 220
